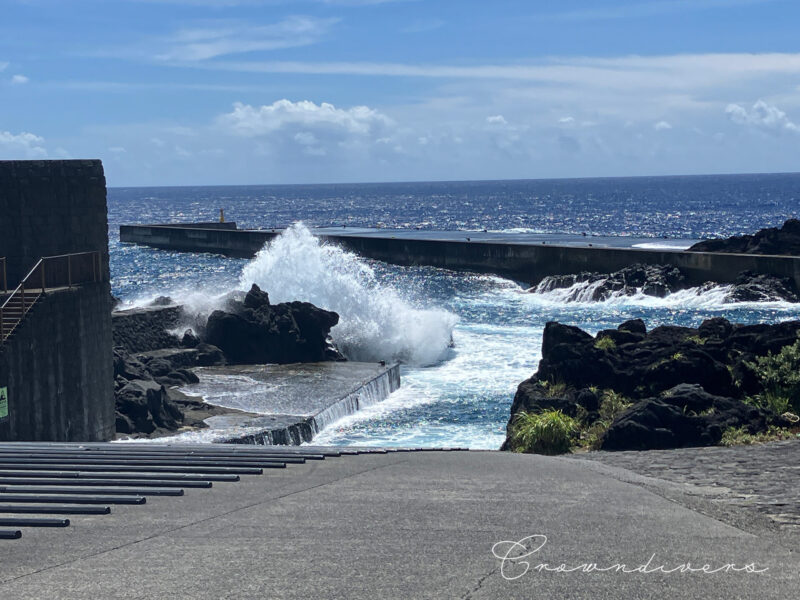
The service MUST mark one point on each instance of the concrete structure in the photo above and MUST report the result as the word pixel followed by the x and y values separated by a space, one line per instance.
pixel 294 402
pixel 524 258
pixel 57 366
pixel 408 525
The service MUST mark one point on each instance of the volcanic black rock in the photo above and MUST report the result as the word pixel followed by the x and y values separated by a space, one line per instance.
pixel 254 331
pixel 772 240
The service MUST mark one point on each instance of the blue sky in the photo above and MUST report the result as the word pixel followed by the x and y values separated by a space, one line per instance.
pixel 194 92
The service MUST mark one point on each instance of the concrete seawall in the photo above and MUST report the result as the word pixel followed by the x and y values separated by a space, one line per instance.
pixel 524 261
pixel 294 402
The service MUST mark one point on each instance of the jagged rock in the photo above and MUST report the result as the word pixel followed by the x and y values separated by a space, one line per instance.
pixel 256 332
pixel 209 355
pixel 661 280
pixel 772 240
pixel 685 415
pixel 750 287
pixel 189 339
pixel 129 367
pixel 146 329
pixel 652 280
pixel 143 407
pixel 666 372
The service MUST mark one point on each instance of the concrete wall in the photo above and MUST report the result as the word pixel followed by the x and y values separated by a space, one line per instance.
pixel 48 208
pixel 58 364
pixel 523 262
pixel 59 371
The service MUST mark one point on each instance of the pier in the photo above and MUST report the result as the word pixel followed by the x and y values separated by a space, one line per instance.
pixel 523 257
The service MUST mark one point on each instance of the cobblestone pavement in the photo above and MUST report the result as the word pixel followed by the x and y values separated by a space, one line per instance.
pixel 763 477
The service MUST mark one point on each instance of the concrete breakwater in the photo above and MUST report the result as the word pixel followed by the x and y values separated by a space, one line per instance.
pixel 510 255
pixel 294 402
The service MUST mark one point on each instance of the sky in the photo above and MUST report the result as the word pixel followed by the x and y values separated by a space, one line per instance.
pixel 215 92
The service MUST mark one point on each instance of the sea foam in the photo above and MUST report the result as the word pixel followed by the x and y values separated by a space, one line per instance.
pixel 376 321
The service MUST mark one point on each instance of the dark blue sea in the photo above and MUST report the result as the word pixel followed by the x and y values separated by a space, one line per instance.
pixel 455 394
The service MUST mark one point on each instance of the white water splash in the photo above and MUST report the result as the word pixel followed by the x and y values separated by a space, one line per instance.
pixel 715 297
pixel 376 322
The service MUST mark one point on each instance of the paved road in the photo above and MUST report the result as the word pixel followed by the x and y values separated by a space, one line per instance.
pixel 405 525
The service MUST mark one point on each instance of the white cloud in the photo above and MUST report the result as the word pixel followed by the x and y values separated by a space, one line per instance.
pixel 251 121
pixel 496 120
pixel 566 120
pixel 662 126
pixel 3 65
pixel 763 116
pixel 21 145
pixel 19 80
pixel 220 38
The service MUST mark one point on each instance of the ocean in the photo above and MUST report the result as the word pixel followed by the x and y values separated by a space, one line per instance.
pixel 465 341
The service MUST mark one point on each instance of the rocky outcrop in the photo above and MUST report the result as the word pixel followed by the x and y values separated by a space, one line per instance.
pixel 661 280
pixel 773 240
pixel 652 280
pixel 685 385
pixel 255 331
pixel 151 362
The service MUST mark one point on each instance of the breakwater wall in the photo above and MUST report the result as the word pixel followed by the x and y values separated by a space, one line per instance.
pixel 527 262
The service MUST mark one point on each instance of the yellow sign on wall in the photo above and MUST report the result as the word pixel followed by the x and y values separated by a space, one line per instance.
pixel 3 402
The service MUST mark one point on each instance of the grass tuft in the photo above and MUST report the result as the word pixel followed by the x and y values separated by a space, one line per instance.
pixel 605 343
pixel 550 432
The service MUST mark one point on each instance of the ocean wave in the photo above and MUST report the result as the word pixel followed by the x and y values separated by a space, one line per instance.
pixel 376 321
pixel 715 297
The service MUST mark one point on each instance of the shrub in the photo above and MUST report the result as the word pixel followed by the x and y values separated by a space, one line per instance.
pixel 779 375
pixel 605 343
pixel 696 339
pixel 549 432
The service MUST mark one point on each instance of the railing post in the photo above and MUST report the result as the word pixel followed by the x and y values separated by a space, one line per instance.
pixel 69 270
pixel 41 268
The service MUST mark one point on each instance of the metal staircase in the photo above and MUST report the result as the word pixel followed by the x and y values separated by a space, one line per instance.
pixel 49 273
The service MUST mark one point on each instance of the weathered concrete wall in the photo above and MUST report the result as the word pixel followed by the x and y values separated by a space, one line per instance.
pixel 58 364
pixel 49 208
pixel 59 371
pixel 521 261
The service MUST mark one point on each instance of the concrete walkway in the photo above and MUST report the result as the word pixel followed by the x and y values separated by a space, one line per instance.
pixel 405 525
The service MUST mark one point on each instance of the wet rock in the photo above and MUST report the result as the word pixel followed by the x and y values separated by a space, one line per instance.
pixel 652 280
pixel 143 407
pixel 750 287
pixel 253 331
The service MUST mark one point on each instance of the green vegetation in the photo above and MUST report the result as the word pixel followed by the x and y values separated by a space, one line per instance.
pixel 696 339
pixel 605 343
pixel 677 356
pixel 612 404
pixel 779 375
pixel 737 436
pixel 555 389
pixel 549 432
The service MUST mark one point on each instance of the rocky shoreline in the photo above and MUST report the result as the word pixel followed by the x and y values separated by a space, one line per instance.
pixel 661 280
pixel 772 240
pixel 151 361
pixel 633 389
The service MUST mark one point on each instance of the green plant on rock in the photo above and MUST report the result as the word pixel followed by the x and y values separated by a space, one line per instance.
pixel 612 404
pixel 696 339
pixel 677 356
pixel 555 389
pixel 549 432
pixel 779 375
pixel 605 343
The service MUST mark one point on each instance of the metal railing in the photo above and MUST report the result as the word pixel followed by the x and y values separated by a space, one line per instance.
pixel 50 272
